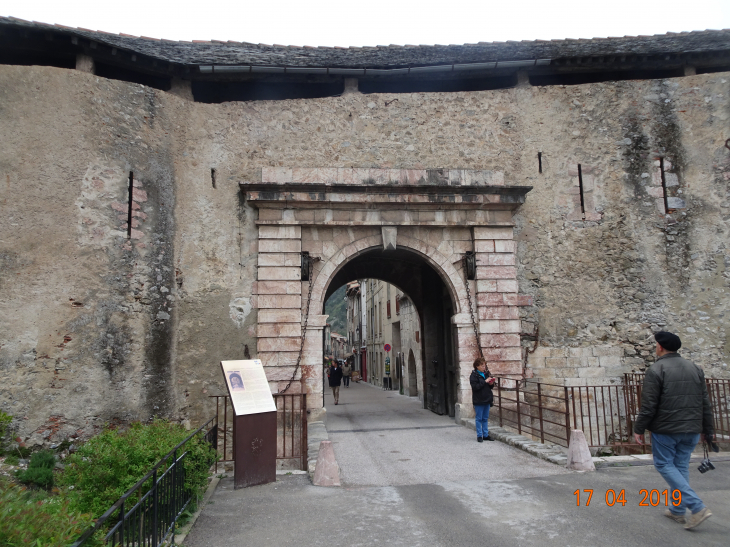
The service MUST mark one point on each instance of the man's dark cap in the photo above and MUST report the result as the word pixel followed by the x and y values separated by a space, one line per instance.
pixel 668 341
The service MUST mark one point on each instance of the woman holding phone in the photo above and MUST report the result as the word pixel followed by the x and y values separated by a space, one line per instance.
pixel 481 397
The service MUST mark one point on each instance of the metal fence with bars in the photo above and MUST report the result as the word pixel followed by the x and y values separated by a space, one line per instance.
pixel 291 424
pixel 605 413
pixel 146 514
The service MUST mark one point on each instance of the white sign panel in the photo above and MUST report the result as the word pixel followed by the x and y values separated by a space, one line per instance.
pixel 248 387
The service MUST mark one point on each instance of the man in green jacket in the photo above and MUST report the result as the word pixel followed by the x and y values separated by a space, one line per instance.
pixel 676 409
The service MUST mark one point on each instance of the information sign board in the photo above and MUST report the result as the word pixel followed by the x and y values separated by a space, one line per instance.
pixel 248 387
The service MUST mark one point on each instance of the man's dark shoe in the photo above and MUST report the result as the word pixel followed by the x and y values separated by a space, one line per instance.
pixel 480 439
pixel 489 438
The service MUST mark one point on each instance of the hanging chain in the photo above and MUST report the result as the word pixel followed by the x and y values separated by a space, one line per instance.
pixel 304 330
pixel 471 309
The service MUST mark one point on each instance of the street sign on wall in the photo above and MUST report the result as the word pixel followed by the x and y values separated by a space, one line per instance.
pixel 387 347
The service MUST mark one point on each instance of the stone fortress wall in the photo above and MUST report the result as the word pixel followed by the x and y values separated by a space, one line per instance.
pixel 95 327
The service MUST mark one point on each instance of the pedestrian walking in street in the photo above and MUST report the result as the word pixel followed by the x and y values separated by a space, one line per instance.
pixel 335 379
pixel 481 397
pixel 346 371
pixel 676 409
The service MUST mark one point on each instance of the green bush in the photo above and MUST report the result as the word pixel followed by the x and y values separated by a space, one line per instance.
pixel 40 470
pixel 38 519
pixel 12 459
pixel 5 420
pixel 108 465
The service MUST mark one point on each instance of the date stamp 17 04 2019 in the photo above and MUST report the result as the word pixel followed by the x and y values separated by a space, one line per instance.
pixel 648 497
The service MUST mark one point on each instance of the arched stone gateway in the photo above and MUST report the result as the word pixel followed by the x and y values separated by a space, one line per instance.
pixel 412 228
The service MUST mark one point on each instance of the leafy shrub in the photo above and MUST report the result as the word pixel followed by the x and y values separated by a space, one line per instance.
pixel 108 465
pixel 5 420
pixel 35 518
pixel 12 459
pixel 40 470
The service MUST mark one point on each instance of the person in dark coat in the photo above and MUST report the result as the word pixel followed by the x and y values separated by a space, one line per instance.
pixel 481 397
pixel 676 408
pixel 335 378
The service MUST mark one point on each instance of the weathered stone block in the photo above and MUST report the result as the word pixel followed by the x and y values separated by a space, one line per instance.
pixel 496 272
pixel 490 299
pixel 484 246
pixel 507 285
pixel 501 246
pixel 283 373
pixel 501 368
pixel 278 301
pixel 279 259
pixel 487 285
pixel 591 372
pixel 279 274
pixel 276 174
pixel 278 287
pixel 555 362
pixel 269 214
pixel 493 232
pixel 600 351
pixel 579 455
pixel 609 361
pixel 280 245
pixel 272 330
pixel 278 344
pixel 499 340
pixel 508 325
pixel 518 300
pixel 277 358
pixel 501 259
pixel 280 316
pixel 489 327
pixel 495 312
pixel 280 232
pixel 503 354
pixel 326 472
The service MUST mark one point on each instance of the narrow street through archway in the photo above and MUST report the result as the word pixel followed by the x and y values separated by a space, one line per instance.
pixel 382 438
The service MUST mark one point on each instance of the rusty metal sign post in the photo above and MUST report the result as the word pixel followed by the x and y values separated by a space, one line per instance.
pixel 254 423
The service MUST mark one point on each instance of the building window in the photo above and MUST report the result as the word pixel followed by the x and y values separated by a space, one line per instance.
pixel 397 304
pixel 388 309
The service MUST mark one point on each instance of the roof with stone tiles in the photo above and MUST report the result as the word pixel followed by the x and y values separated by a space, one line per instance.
pixel 242 53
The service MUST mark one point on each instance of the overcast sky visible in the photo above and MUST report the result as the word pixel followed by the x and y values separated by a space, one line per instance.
pixel 376 22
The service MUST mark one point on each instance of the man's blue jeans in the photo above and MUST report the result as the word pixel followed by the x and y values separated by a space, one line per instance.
pixel 671 459
pixel 482 418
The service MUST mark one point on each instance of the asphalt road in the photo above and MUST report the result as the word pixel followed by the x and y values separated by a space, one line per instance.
pixel 451 491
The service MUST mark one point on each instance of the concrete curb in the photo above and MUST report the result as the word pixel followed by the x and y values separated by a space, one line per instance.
pixel 316 433
pixel 557 454
pixel 179 538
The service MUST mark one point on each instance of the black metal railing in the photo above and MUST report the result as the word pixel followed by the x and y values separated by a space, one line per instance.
pixel 146 514
pixel 291 424
pixel 606 413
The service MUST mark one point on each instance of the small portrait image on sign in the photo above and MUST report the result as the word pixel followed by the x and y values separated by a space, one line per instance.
pixel 235 380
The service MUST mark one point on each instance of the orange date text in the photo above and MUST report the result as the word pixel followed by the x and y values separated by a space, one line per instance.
pixel 648 497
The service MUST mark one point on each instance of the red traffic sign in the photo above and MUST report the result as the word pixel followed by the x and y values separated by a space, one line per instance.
pixel 387 347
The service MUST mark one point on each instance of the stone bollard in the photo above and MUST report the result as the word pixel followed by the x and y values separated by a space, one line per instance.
pixel 579 455
pixel 327 472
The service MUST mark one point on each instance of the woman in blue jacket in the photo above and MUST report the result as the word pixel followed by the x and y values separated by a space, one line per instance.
pixel 481 397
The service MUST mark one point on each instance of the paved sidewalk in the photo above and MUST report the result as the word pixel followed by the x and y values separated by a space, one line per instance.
pixel 382 438
pixel 415 479
pixel 534 512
